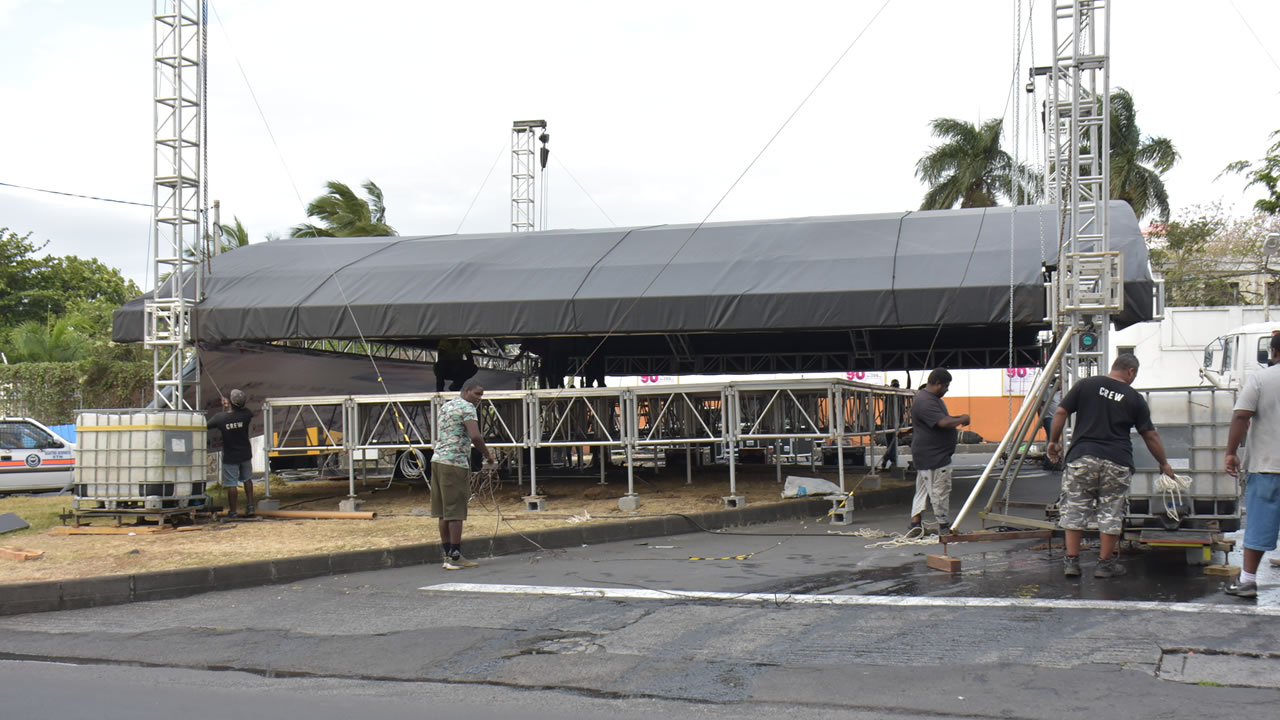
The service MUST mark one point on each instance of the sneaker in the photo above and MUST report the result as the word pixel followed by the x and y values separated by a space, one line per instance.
pixel 944 528
pixel 449 565
pixel 1071 566
pixel 1242 589
pixel 248 512
pixel 231 515
pixel 915 526
pixel 461 561
pixel 1109 568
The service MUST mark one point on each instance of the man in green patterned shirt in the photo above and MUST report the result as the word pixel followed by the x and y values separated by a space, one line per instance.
pixel 457 429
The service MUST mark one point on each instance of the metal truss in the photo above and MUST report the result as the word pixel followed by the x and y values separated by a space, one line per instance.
pixel 770 363
pixel 177 195
pixel 524 134
pixel 722 415
pixel 1088 282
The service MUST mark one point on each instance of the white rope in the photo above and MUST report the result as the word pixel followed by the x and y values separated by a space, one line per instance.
pixel 914 536
pixel 1171 488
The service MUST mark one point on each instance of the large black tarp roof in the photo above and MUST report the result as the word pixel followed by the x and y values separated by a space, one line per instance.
pixel 926 271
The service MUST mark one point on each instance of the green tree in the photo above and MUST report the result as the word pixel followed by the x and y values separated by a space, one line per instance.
pixel 1207 258
pixel 39 288
pixel 56 341
pixel 1264 172
pixel 971 168
pixel 342 213
pixel 1131 154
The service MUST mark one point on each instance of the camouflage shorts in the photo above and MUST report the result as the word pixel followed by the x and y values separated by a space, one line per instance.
pixel 1093 486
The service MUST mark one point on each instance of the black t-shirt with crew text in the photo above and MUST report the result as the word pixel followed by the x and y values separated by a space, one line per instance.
pixel 1105 410
pixel 235 434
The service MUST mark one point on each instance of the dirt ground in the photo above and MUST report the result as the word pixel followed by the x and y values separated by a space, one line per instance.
pixel 401 519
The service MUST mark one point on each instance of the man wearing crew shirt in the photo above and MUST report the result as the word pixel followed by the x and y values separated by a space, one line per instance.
pixel 237 468
pixel 1100 461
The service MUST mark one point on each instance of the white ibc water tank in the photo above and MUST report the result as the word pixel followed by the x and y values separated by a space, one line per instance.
pixel 132 456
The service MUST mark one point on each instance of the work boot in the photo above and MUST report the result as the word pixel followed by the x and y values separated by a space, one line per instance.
pixel 1071 566
pixel 1110 567
pixel 1242 589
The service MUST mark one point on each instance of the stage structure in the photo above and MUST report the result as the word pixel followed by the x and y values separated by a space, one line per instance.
pixel 838 415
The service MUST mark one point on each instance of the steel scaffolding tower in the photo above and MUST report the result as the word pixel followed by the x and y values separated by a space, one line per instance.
pixel 1088 280
pixel 524 135
pixel 179 41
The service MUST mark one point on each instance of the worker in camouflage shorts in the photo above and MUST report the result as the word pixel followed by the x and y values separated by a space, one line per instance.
pixel 1100 462
pixel 458 429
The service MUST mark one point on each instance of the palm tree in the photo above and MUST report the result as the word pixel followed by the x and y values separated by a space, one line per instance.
pixel 970 168
pixel 37 342
pixel 1131 180
pixel 343 214
pixel 233 236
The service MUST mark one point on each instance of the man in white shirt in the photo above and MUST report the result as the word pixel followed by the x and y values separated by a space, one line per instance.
pixel 1257 412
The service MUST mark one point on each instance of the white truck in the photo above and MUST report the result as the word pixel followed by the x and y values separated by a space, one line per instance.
pixel 1231 358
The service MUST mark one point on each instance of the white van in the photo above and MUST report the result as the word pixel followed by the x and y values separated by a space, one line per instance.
pixel 33 457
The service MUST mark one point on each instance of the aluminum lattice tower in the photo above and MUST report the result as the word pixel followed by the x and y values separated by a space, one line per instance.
pixel 177 194
pixel 524 136
pixel 1088 282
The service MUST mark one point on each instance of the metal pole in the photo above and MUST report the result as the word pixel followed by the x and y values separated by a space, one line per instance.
pixel 688 465
pixel 777 458
pixel 1067 335
pixel 533 470
pixel 267 418
pixel 348 440
pixel 598 450
pixel 733 477
pixel 631 472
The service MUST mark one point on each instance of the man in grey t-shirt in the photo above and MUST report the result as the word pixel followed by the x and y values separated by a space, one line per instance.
pixel 933 442
pixel 1257 412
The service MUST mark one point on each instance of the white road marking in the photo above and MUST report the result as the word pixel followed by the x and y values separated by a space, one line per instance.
pixel 862 600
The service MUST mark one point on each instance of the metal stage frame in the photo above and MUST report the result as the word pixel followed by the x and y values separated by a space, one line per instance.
pixel 727 416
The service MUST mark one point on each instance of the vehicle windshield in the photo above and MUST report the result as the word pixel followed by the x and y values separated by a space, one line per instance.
pixel 24 436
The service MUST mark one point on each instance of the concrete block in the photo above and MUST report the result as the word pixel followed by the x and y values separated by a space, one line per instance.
pixel 300 568
pixel 420 554
pixel 168 584
pixel 734 501
pixel 350 505
pixel 91 592
pixel 30 597
pixel 945 563
pixel 241 575
pixel 267 504
pixel 1222 570
pixel 341 563
pixel 646 528
pixel 842 516
pixel 871 482
pixel 629 503
pixel 558 537
pixel 535 503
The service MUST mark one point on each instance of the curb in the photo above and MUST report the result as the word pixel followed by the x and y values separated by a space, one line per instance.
pixel 53 595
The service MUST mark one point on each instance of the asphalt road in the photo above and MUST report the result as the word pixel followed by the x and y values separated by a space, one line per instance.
pixel 806 620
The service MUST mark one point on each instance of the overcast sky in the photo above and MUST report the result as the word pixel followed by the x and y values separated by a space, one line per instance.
pixel 656 107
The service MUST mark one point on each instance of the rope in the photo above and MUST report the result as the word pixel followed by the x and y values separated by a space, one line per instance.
pixel 914 536
pixel 1171 488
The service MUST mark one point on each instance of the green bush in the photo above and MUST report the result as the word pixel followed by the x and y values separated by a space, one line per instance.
pixel 53 392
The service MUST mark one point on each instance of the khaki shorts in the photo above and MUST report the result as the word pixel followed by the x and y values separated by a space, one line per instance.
pixel 450 490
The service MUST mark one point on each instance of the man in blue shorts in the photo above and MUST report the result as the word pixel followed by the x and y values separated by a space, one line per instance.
pixel 237 456
pixel 1257 412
